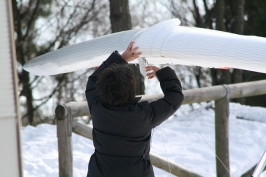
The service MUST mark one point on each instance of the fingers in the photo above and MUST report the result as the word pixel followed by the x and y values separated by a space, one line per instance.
pixel 151 71
pixel 148 68
pixel 131 53
pixel 152 68
pixel 150 77
pixel 129 48
pixel 134 50
pixel 136 55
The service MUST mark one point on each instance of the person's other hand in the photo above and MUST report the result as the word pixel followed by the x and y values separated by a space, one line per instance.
pixel 151 71
pixel 130 53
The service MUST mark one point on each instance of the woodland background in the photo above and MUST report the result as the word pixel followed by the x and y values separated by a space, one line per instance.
pixel 42 26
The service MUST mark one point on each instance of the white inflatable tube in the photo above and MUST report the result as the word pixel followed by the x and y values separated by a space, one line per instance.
pixel 80 56
pixel 163 43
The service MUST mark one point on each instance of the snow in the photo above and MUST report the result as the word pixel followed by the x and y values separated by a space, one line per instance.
pixel 181 139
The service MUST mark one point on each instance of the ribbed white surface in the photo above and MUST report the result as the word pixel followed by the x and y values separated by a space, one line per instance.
pixel 165 42
pixel 150 42
pixel 216 49
pixel 80 56
pixel 10 163
pixel 7 103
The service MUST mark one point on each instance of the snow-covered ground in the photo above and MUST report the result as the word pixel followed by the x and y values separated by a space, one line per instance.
pixel 179 135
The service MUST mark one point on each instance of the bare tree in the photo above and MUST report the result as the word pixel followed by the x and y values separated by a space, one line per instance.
pixel 61 22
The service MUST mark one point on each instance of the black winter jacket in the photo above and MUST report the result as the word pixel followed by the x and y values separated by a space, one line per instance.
pixel 122 135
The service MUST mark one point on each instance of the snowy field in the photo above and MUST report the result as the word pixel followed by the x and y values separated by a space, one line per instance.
pixel 183 143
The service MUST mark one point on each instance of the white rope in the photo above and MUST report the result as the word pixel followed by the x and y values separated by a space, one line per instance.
pixel 165 151
pixel 205 141
pixel 153 99
pixel 172 66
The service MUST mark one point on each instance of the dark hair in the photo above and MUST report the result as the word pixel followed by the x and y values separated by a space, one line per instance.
pixel 116 85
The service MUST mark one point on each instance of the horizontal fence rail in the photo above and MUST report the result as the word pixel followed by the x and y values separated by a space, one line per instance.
pixel 190 96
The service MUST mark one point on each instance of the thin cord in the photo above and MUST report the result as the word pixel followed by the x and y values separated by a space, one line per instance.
pixel 161 132
pixel 152 100
pixel 202 136
pixel 165 151
pixel 205 141
pixel 152 131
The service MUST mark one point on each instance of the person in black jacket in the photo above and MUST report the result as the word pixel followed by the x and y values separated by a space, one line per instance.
pixel 121 124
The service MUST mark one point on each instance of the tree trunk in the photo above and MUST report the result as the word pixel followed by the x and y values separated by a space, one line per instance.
pixel 120 16
pixel 238 6
pixel 27 92
pixel 120 21
pixel 24 77
pixel 219 14
pixel 239 16
pixel 225 77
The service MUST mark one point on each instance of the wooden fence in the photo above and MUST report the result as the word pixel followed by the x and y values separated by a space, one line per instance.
pixel 221 94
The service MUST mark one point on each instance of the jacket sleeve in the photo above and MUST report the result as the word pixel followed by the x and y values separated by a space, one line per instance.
pixel 91 94
pixel 162 109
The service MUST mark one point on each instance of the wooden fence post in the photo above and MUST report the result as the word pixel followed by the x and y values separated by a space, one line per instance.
pixel 222 135
pixel 64 135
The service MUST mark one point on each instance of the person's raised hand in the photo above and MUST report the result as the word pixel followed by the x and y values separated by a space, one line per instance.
pixel 130 53
pixel 151 71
